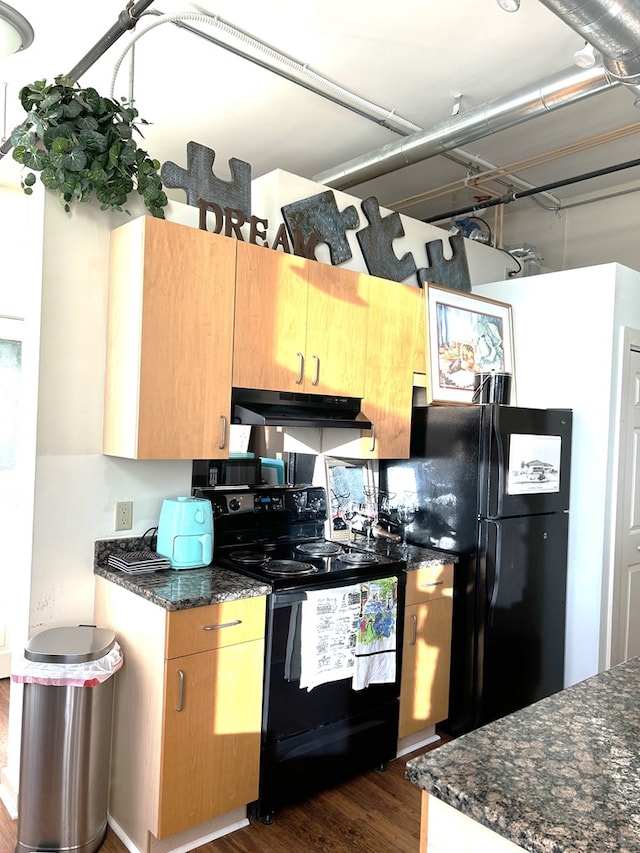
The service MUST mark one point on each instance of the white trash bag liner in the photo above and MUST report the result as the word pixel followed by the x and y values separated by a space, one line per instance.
pixel 89 673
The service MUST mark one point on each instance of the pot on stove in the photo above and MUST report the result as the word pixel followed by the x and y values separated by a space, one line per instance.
pixel 185 532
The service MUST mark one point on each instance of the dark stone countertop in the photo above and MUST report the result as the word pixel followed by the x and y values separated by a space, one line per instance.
pixel 176 589
pixel 561 776
pixel 179 589
pixel 415 556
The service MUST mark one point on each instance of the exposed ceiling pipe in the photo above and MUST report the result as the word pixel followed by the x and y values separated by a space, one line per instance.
pixel 557 91
pixel 612 27
pixel 249 47
pixel 514 196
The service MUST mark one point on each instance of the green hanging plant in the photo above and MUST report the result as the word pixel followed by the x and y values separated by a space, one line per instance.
pixel 82 144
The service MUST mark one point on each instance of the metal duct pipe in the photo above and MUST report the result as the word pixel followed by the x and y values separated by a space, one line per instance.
pixel 565 88
pixel 611 26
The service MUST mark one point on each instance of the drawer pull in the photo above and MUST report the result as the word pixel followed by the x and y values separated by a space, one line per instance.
pixel 222 625
pixel 300 376
pixel 180 705
pixel 316 374
pixel 433 583
pixel 414 639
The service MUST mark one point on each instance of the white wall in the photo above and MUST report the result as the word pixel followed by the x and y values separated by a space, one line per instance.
pixel 566 333
pixel 593 233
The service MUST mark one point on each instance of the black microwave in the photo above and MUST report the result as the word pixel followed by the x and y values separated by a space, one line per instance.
pixel 226 472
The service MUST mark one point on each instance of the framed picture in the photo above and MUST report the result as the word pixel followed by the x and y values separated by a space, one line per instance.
pixel 467 335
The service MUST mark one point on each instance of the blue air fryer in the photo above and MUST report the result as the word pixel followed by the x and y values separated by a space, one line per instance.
pixel 185 532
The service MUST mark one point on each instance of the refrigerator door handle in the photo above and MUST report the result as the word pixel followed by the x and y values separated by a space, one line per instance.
pixel 502 471
pixel 492 597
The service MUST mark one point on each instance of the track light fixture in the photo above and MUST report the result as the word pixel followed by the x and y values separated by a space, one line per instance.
pixel 16 33
pixel 509 5
pixel 586 56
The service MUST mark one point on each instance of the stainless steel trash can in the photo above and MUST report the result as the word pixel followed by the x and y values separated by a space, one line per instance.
pixel 66 743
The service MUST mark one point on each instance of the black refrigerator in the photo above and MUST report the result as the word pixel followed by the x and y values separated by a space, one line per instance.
pixel 492 488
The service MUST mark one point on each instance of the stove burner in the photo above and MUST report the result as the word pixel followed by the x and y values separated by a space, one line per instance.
pixel 359 558
pixel 249 558
pixel 319 549
pixel 285 568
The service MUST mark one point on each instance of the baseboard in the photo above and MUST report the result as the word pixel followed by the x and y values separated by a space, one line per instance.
pixel 5 664
pixel 416 741
pixel 8 794
pixel 188 840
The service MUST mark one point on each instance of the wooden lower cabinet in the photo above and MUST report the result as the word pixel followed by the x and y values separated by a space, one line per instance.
pixel 210 746
pixel 187 711
pixel 424 695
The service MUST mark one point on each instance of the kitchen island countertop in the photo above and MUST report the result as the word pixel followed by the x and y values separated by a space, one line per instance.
pixel 561 776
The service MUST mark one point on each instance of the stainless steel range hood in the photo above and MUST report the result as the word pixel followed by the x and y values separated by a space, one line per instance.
pixel 283 408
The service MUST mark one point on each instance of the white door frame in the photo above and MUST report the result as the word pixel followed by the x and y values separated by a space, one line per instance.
pixel 630 341
pixel 11 329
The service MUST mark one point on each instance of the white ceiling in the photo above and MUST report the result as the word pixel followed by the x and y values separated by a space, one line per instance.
pixel 412 57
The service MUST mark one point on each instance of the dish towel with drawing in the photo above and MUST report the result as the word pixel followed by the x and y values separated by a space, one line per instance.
pixel 375 648
pixel 349 632
pixel 327 635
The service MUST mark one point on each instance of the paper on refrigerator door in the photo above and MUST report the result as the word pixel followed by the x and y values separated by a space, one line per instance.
pixel 534 464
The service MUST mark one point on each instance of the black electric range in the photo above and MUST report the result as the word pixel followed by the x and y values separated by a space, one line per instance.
pixel 316 731
pixel 276 534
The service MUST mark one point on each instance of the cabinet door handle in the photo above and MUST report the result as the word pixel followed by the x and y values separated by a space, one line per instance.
pixel 373 438
pixel 300 369
pixel 316 375
pixel 433 583
pixel 414 638
pixel 222 625
pixel 180 705
pixel 223 437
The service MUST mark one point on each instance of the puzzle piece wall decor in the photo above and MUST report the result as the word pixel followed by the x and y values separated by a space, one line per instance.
pixel 453 273
pixel 198 180
pixel 376 241
pixel 319 214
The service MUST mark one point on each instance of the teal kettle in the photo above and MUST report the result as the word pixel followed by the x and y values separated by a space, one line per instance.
pixel 185 532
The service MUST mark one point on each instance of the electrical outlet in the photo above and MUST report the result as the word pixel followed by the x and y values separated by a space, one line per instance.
pixel 123 515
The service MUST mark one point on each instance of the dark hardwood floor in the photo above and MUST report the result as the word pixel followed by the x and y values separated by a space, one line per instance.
pixel 374 813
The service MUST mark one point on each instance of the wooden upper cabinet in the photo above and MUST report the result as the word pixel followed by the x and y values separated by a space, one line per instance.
pixel 270 319
pixel 420 352
pixel 337 320
pixel 169 342
pixel 300 325
pixel 390 367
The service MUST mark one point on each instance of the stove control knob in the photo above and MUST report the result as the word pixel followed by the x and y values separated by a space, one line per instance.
pixel 234 504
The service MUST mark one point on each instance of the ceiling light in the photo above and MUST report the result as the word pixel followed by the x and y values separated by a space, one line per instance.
pixel 509 5
pixel 586 56
pixel 16 33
